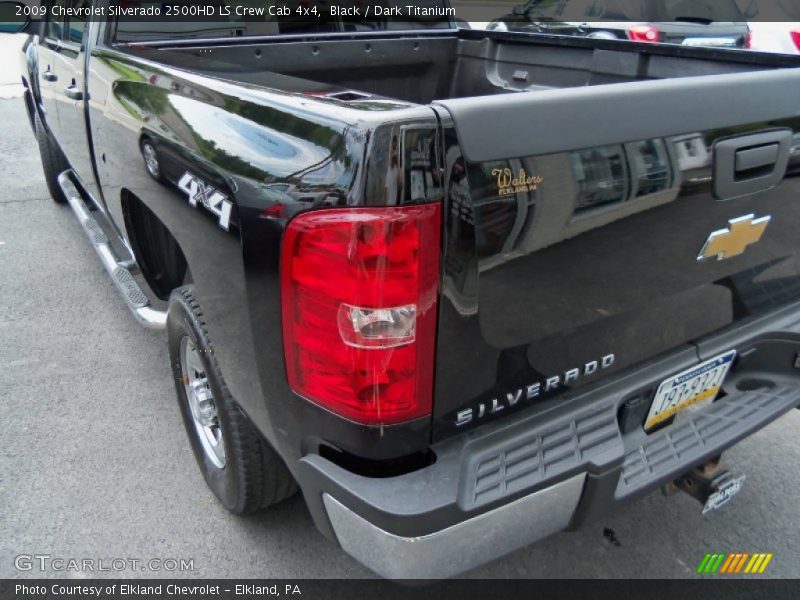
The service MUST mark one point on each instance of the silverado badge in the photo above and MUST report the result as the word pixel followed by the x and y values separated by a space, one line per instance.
pixel 733 241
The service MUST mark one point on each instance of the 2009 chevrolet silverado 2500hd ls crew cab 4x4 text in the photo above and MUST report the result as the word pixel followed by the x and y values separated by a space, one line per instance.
pixel 464 289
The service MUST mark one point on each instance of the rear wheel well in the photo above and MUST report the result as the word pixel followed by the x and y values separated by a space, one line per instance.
pixel 157 252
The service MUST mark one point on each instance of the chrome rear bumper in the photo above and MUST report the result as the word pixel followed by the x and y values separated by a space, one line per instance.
pixel 459 547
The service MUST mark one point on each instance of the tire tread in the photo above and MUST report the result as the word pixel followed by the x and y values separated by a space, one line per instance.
pixel 263 478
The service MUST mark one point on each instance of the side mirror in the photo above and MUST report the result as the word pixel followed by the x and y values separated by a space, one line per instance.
pixel 14 17
pixel 519 10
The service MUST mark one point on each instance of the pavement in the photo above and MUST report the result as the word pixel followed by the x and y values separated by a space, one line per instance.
pixel 96 464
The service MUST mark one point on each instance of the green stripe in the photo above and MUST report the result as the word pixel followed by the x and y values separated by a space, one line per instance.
pixel 710 563
pixel 702 566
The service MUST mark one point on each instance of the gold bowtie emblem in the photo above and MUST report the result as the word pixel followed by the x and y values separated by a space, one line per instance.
pixel 733 241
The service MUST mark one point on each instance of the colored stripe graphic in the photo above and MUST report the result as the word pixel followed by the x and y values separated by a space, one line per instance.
pixel 734 563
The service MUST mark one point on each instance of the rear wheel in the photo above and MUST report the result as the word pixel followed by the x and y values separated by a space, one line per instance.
pixel 237 464
pixel 53 161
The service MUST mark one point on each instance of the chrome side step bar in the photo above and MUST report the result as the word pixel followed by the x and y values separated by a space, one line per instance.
pixel 134 297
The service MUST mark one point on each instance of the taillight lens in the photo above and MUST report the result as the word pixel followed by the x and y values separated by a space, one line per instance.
pixel 748 40
pixel 644 33
pixel 359 293
pixel 795 38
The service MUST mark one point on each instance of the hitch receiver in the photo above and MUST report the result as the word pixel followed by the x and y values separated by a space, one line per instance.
pixel 711 485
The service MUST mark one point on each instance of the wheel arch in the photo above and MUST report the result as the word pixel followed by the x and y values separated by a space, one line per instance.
pixel 157 251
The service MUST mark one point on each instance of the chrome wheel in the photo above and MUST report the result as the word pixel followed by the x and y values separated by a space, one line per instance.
pixel 151 160
pixel 201 403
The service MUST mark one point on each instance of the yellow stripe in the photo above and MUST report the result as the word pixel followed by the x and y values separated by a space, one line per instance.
pixel 757 565
pixel 730 559
pixel 752 562
pixel 745 556
pixel 765 563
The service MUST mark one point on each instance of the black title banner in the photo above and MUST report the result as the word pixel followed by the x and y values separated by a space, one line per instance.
pixel 227 589
pixel 422 12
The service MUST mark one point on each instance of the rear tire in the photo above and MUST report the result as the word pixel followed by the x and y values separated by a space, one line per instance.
pixel 242 470
pixel 53 160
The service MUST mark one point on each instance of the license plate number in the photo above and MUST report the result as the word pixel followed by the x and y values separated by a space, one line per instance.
pixel 691 387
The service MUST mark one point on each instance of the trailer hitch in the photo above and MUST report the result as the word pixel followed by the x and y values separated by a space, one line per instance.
pixel 711 485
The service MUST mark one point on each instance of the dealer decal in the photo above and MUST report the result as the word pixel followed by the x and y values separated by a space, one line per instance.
pixel 509 182
pixel 214 200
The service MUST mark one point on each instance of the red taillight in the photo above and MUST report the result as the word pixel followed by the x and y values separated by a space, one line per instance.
pixel 795 38
pixel 644 33
pixel 359 294
pixel 748 40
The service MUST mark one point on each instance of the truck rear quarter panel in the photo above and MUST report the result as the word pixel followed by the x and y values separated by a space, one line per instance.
pixel 270 154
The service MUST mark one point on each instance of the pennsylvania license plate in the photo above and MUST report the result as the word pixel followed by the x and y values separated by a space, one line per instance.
pixel 691 387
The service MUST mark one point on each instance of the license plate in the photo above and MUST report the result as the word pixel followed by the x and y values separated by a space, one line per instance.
pixel 691 387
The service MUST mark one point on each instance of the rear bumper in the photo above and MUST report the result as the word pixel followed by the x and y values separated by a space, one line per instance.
pixel 458 547
pixel 502 486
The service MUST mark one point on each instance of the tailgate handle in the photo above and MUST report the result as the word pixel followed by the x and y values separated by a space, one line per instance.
pixel 749 164
pixel 755 159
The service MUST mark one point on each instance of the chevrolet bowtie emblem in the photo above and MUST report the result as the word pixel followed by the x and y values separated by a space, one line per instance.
pixel 733 241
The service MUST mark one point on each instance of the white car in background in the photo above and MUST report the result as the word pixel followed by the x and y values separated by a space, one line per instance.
pixel 781 37
pixel 771 25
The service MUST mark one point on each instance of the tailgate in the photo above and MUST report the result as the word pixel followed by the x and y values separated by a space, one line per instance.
pixel 591 229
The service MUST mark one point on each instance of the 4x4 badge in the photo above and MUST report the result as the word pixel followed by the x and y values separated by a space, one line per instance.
pixel 200 192
pixel 733 241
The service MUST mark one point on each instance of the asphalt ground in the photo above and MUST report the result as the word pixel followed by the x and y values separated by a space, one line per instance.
pixel 95 463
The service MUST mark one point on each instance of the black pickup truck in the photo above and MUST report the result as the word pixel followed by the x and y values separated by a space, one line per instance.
pixel 463 289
